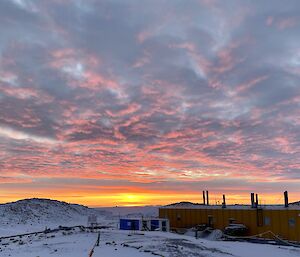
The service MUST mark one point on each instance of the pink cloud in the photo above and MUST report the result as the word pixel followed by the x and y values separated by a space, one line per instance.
pixel 82 69
pixel 287 23
pixel 250 84
pixel 269 21
pixel 140 62
pixel 132 108
pixel 14 180
pixel 284 145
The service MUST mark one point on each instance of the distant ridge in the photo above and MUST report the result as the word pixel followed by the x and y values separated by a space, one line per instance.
pixel 183 204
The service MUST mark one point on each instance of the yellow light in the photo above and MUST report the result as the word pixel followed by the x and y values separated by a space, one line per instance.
pixel 132 199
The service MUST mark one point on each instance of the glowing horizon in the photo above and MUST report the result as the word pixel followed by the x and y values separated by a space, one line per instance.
pixel 148 102
pixel 157 199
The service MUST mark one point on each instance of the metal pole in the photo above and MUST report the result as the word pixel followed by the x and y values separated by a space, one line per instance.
pixel 286 199
pixel 98 239
pixel 207 200
pixel 256 202
pixel 252 200
pixel 224 202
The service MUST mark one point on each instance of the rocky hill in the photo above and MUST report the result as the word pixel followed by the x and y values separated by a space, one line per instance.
pixel 45 211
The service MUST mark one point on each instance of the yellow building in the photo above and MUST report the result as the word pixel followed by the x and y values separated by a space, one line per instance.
pixel 283 221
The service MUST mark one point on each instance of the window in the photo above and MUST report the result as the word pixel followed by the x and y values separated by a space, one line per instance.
pixel 178 217
pixel 210 220
pixel 164 226
pixel 267 221
pixel 292 222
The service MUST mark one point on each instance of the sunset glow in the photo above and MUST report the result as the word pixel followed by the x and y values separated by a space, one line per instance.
pixel 118 103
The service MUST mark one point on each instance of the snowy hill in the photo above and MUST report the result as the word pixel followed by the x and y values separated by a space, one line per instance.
pixel 132 211
pixel 44 212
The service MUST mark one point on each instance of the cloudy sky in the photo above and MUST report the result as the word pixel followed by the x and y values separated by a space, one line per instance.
pixel 137 102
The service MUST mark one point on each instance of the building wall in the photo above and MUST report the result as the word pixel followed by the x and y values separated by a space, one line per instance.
pixel 130 224
pixel 284 222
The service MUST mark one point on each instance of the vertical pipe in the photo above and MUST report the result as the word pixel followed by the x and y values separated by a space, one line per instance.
pixel 224 202
pixel 252 200
pixel 256 201
pixel 286 199
pixel 207 200
pixel 204 198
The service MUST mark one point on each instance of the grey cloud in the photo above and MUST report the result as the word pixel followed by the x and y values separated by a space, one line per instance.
pixel 182 62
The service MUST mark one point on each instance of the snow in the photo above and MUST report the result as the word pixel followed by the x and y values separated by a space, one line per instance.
pixel 113 242
pixel 118 243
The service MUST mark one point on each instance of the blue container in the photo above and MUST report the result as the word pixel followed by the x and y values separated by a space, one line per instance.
pixel 129 224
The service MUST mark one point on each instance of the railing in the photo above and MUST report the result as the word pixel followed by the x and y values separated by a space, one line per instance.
pixel 62 228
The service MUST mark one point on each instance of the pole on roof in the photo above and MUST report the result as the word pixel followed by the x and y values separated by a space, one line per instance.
pixel 286 199
pixel 204 198
pixel 224 202
pixel 207 199
pixel 256 201
pixel 252 200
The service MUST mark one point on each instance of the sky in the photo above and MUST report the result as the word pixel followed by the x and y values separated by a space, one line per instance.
pixel 129 102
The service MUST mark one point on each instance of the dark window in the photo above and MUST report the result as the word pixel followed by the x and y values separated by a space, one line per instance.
pixel 210 220
pixel 178 217
pixel 164 225
pixel 292 222
pixel 267 221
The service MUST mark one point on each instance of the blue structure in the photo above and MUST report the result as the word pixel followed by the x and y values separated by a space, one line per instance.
pixel 146 224
pixel 130 224
pixel 154 225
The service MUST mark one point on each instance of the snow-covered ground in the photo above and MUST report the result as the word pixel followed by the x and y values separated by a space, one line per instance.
pixel 113 242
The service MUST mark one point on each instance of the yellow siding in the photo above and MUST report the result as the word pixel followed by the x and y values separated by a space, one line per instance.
pixel 284 222
pixel 292 229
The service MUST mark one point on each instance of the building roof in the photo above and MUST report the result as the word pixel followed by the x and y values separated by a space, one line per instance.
pixel 189 205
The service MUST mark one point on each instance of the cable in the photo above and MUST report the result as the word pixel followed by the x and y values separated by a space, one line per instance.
pixel 261 234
